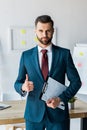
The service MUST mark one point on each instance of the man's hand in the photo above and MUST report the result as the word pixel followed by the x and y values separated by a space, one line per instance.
pixel 53 102
pixel 28 85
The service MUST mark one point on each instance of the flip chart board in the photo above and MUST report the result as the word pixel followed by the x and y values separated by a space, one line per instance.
pixel 80 60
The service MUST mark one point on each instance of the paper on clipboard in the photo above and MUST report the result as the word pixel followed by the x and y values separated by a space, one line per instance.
pixel 52 88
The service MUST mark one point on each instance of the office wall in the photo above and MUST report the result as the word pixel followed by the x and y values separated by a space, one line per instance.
pixel 70 18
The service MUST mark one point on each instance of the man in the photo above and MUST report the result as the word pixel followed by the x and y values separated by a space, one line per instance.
pixel 39 114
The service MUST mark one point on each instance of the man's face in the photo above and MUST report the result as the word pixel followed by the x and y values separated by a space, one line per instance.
pixel 44 33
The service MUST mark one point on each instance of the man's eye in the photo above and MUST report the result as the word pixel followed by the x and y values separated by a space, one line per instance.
pixel 40 31
pixel 49 31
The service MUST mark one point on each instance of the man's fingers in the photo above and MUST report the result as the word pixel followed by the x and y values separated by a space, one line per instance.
pixel 26 77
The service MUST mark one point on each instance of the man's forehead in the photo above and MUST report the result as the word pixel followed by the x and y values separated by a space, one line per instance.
pixel 43 25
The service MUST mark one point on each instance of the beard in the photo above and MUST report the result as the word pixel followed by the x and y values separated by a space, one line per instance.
pixel 44 40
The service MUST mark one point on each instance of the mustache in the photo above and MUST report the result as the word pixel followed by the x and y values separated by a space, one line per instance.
pixel 44 37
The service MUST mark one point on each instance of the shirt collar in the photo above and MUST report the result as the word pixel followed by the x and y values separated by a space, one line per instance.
pixel 48 48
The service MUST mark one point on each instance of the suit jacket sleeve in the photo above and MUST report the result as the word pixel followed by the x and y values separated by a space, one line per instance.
pixel 21 77
pixel 73 77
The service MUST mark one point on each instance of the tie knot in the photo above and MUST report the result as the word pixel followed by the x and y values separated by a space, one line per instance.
pixel 44 51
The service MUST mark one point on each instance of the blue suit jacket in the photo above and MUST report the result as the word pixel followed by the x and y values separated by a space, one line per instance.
pixel 62 65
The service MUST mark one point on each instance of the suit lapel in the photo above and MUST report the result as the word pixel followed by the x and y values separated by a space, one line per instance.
pixel 55 57
pixel 35 62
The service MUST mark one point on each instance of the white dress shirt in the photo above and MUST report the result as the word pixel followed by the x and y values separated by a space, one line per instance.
pixel 49 53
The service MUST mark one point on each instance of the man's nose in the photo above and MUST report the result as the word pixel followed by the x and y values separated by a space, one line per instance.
pixel 45 33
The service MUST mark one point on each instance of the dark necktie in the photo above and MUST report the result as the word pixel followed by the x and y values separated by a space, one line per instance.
pixel 44 64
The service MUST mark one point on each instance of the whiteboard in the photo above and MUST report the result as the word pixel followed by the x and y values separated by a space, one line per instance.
pixel 80 60
pixel 22 38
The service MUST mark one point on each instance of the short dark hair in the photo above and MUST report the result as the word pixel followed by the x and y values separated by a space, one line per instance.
pixel 44 19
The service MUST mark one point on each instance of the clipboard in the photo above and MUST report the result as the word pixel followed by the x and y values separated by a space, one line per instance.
pixel 52 88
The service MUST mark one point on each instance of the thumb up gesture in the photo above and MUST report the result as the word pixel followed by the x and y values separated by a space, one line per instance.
pixel 27 85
